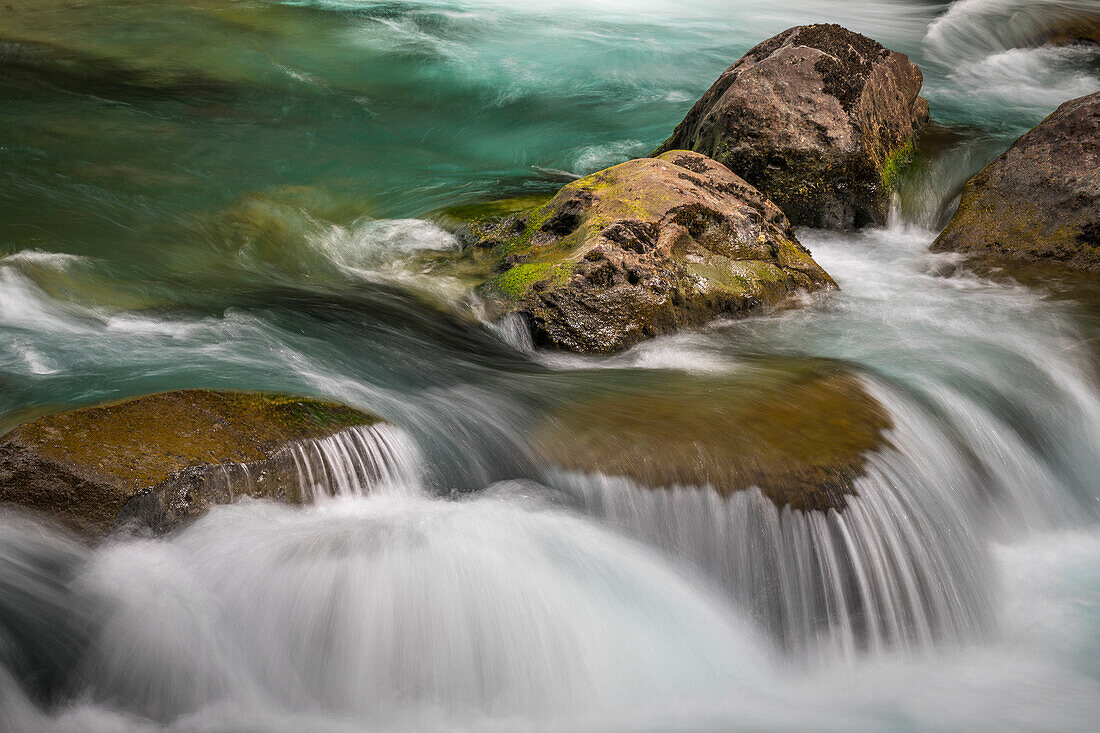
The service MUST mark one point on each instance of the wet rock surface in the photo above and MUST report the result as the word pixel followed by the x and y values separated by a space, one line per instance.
pixel 799 430
pixel 645 247
pixel 818 118
pixel 1040 200
pixel 161 458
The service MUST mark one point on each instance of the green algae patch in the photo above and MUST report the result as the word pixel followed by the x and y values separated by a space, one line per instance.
pixel 516 281
pixel 492 210
pixel 81 466
pixel 641 248
pixel 895 164
pixel 798 429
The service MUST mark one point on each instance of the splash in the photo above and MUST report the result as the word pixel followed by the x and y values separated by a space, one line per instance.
pixel 994 58
pixel 400 611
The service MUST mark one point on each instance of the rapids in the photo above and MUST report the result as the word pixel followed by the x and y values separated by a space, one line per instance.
pixel 239 195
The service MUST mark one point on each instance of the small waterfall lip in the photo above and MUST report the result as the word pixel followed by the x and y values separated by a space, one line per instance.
pixel 353 462
pixel 379 458
pixel 900 567
pixel 513 331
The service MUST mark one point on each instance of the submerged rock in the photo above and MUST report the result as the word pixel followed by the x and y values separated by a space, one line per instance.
pixel 472 219
pixel 642 248
pixel 161 458
pixel 798 430
pixel 1040 200
pixel 1067 24
pixel 36 66
pixel 818 118
pixel 1072 30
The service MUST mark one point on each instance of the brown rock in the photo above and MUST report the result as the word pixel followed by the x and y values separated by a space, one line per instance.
pixel 800 430
pixel 1040 200
pixel 179 450
pixel 818 118
pixel 643 248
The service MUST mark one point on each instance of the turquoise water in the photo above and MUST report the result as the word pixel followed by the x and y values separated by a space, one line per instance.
pixel 174 155
pixel 232 194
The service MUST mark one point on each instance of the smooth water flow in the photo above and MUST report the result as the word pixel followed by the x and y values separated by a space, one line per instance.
pixel 375 459
pixel 239 195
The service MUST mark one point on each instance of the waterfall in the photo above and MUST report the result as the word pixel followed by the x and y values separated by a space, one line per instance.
pixel 397 611
pixel 352 462
pixel 905 565
pixel 901 566
pixel 375 458
pixel 883 573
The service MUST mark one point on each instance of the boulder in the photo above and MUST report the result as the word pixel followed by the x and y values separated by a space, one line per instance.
pixel 1040 200
pixel 162 458
pixel 818 118
pixel 799 430
pixel 645 247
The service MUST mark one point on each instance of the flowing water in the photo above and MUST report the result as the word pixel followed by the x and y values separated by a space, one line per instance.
pixel 233 195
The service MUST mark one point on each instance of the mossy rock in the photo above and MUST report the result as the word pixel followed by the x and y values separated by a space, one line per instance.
pixel 799 430
pixel 645 247
pixel 818 118
pixel 1040 200
pixel 81 467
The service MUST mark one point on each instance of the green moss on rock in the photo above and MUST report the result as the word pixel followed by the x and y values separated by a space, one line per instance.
pixel 1040 200
pixel 516 281
pixel 896 161
pixel 81 466
pixel 642 248
pixel 492 210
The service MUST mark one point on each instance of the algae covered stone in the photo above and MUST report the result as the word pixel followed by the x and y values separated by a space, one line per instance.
pixel 799 430
pixel 470 219
pixel 81 467
pixel 642 248
pixel 1039 202
pixel 818 118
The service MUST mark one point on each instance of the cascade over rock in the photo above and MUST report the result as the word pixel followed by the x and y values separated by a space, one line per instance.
pixel 1040 200
pixel 164 457
pixel 818 118
pixel 645 247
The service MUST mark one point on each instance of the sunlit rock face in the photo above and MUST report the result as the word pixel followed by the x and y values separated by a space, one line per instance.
pixel 643 248
pixel 818 118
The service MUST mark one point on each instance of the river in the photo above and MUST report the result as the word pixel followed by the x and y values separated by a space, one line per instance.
pixel 234 195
